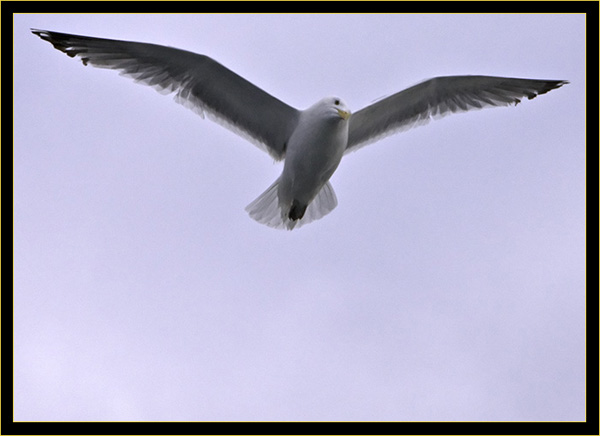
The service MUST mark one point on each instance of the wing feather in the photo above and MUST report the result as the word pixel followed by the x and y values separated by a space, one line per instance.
pixel 200 83
pixel 438 97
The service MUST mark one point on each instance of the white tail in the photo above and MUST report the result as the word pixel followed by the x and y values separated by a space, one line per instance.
pixel 266 209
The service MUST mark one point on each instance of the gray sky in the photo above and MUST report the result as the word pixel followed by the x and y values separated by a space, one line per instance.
pixel 448 284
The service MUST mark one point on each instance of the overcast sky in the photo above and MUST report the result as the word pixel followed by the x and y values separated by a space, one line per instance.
pixel 448 284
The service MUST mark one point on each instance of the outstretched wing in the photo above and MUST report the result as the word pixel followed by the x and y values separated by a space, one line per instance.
pixel 438 97
pixel 201 84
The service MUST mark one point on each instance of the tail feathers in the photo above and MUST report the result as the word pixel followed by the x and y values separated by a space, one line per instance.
pixel 266 209
pixel 324 202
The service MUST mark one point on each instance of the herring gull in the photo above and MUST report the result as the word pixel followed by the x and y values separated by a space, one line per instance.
pixel 311 142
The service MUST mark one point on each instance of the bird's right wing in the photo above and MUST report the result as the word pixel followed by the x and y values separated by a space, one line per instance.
pixel 201 84
pixel 438 97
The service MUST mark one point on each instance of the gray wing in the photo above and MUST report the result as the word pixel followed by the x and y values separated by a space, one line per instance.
pixel 201 84
pixel 438 97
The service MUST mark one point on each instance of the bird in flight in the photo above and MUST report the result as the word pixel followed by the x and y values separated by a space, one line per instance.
pixel 311 142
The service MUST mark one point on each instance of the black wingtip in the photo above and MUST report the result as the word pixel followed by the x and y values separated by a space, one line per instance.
pixel 38 32
pixel 60 41
pixel 44 34
pixel 554 84
pixel 549 85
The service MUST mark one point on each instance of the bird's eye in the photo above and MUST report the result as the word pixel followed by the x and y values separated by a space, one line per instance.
pixel 337 102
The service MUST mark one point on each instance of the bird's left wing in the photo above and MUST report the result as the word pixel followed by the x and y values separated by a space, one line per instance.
pixel 201 84
pixel 438 97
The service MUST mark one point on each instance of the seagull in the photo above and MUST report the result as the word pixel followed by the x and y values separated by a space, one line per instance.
pixel 311 142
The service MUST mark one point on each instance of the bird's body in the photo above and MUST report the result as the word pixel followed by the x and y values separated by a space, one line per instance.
pixel 315 149
pixel 312 141
pixel 313 153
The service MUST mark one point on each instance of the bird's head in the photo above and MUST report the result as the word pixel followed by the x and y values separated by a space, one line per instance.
pixel 334 106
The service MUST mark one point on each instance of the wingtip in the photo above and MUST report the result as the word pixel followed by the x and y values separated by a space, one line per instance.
pixel 46 35
pixel 550 85
pixel 38 32
pixel 556 84
pixel 559 83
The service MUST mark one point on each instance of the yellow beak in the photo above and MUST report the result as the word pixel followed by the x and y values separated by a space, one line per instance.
pixel 343 114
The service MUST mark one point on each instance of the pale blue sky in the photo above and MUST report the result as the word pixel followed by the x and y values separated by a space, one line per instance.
pixel 448 284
